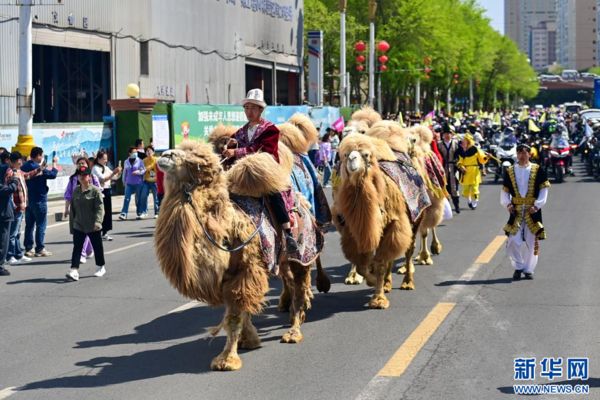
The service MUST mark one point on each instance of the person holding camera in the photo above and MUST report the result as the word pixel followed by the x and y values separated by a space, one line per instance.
pixel 37 207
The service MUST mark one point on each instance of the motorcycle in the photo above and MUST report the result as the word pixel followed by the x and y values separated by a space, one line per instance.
pixel 506 153
pixel 558 158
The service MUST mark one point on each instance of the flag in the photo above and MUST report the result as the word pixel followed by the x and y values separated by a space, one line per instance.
pixel 338 124
pixel 533 127
pixel 400 118
pixel 428 118
pixel 497 119
pixel 524 115
pixel 543 118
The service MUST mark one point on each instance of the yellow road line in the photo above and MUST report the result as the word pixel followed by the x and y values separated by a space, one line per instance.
pixel 489 252
pixel 417 339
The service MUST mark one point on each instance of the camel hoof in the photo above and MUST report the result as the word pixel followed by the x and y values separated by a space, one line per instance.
pixel 407 286
pixel 387 287
pixel 401 270
pixel 436 250
pixel 426 261
pixel 292 336
pixel 354 279
pixel 229 363
pixel 379 303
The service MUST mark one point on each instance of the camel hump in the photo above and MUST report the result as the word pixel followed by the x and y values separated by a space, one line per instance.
pixel 257 175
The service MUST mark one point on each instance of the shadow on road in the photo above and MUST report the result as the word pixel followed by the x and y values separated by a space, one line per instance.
pixel 476 282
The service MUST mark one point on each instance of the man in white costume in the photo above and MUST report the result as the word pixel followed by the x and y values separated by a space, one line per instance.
pixel 524 193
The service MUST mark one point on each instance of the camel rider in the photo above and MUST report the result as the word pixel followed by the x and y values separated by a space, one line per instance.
pixel 469 161
pixel 450 149
pixel 524 193
pixel 261 135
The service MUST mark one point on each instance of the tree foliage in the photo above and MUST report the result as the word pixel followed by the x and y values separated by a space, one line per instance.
pixel 454 34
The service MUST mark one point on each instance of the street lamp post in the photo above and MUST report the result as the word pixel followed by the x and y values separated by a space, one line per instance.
pixel 25 91
pixel 343 83
pixel 372 10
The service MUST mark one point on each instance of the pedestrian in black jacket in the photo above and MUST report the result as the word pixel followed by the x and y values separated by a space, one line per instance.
pixel 8 185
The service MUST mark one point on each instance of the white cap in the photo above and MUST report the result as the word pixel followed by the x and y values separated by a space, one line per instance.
pixel 255 96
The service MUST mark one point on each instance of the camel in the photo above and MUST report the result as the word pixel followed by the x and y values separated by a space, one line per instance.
pixel 361 120
pixel 436 189
pixel 371 215
pixel 208 248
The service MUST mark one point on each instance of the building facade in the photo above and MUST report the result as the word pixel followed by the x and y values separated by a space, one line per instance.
pixel 577 36
pixel 85 52
pixel 542 45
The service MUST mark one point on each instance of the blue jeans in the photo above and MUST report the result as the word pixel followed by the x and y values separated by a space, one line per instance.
pixel 129 191
pixel 147 188
pixel 35 218
pixel 14 240
pixel 326 173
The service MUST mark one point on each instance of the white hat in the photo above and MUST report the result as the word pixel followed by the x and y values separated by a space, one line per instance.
pixel 255 96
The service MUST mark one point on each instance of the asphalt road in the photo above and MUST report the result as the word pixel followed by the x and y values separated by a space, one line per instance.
pixel 117 337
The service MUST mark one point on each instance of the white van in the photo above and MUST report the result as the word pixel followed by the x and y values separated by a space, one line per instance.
pixel 570 75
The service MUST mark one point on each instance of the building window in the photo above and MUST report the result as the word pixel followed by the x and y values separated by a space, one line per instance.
pixel 144 64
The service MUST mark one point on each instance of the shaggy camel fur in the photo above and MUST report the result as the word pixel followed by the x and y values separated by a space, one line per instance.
pixel 434 214
pixel 303 122
pixel 361 120
pixel 371 215
pixel 220 136
pixel 196 206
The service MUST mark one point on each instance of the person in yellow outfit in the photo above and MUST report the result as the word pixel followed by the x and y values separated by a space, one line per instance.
pixel 469 161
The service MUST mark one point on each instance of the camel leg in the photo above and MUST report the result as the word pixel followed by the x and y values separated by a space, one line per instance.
pixel 408 282
pixel 367 273
pixel 387 282
pixel 285 298
pixel 353 278
pixel 229 360
pixel 300 302
pixel 436 245
pixel 249 339
pixel 379 301
pixel 424 258
pixel 323 282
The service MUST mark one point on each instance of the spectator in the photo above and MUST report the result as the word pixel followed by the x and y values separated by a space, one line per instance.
pixel 4 156
pixel 37 205
pixel 132 179
pixel 106 177
pixel 149 185
pixel 334 139
pixel 87 250
pixel 8 185
pixel 85 220
pixel 324 158
pixel 139 145
pixel 15 251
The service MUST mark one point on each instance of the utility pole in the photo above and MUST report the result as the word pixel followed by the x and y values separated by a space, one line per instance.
pixel 418 95
pixel 372 10
pixel 343 80
pixel 25 92
pixel 471 108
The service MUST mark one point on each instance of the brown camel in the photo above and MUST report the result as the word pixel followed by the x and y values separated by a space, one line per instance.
pixel 371 215
pixel 208 248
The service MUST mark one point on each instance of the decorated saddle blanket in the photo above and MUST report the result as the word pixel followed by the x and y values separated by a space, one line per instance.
pixel 403 172
pixel 436 175
pixel 310 240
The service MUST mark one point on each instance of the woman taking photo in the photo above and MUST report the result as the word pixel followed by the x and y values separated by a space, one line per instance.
pixel 85 219
pixel 106 177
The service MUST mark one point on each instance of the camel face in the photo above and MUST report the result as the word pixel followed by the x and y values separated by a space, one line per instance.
pixel 354 163
pixel 191 163
pixel 170 159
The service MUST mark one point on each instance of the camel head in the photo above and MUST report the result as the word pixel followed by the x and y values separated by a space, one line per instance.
pixel 221 136
pixel 357 156
pixel 191 164
pixel 355 126
pixel 367 115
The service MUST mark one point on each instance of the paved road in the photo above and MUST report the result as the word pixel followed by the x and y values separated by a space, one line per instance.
pixel 117 337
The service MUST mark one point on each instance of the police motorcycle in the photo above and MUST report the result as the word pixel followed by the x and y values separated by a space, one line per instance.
pixel 505 152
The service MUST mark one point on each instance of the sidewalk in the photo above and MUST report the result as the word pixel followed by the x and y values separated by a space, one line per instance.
pixel 56 208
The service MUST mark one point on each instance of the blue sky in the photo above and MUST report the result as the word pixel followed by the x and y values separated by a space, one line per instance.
pixel 495 12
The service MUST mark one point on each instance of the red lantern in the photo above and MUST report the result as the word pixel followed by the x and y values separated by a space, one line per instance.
pixel 360 67
pixel 427 70
pixel 383 46
pixel 360 46
pixel 360 58
pixel 383 68
pixel 383 59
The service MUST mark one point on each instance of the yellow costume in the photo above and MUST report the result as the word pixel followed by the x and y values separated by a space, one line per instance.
pixel 468 162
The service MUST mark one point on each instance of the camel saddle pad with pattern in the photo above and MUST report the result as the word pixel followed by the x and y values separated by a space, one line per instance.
pixel 310 240
pixel 409 181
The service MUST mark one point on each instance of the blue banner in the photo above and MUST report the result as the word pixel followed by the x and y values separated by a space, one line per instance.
pixel 596 93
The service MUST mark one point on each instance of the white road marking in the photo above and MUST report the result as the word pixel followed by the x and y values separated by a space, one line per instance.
pixel 57 224
pixel 184 307
pixel 124 248
pixel 4 393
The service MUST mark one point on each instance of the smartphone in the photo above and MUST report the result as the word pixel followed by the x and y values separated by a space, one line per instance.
pixel 119 163
pixel 53 155
pixel 45 159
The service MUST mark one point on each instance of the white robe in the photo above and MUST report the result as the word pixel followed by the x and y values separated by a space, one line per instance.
pixel 521 252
